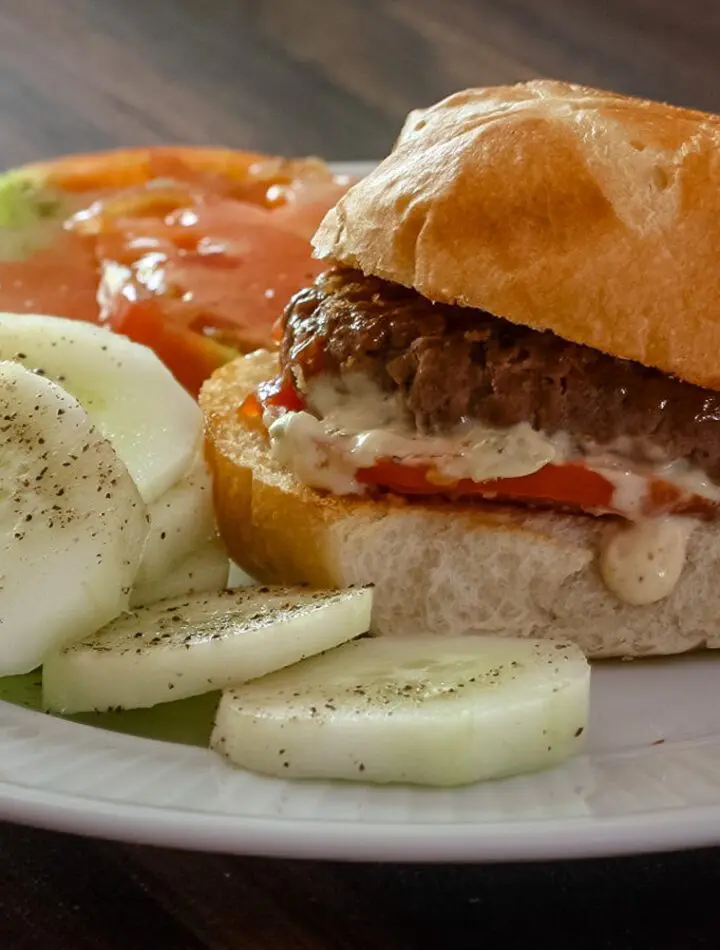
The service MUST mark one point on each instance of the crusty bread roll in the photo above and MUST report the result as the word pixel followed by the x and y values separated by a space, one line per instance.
pixel 591 214
pixel 443 568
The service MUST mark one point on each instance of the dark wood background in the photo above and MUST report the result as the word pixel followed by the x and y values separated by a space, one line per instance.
pixel 331 77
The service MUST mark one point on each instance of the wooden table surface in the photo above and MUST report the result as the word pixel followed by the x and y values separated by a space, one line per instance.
pixel 331 77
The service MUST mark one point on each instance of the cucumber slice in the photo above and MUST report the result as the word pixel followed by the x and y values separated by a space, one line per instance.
pixel 203 570
pixel 133 399
pixel 181 522
pixel 172 649
pixel 72 522
pixel 426 711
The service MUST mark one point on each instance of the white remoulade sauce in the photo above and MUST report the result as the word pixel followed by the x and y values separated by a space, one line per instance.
pixel 642 559
pixel 358 424
pixel 641 562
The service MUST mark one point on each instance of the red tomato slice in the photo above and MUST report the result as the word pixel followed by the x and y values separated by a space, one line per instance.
pixel 570 485
pixel 301 219
pixel 229 288
pixel 274 392
pixel 217 239
pixel 60 280
pixel 120 168
pixel 239 286
pixel 307 206
pixel 218 267
pixel 192 357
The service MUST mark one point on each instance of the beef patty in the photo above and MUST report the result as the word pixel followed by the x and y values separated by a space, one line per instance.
pixel 454 363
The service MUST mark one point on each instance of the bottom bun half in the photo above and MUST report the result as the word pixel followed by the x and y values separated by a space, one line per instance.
pixel 441 568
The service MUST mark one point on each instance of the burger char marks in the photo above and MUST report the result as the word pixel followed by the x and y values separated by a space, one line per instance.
pixel 453 363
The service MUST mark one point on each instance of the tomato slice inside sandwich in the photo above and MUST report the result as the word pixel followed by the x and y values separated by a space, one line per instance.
pixel 569 485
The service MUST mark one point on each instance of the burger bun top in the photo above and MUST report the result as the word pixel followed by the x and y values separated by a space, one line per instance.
pixel 587 213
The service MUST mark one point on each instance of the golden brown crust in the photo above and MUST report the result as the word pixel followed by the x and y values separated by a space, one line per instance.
pixel 584 212
pixel 260 537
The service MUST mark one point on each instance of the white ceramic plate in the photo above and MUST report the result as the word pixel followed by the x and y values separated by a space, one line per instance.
pixel 650 780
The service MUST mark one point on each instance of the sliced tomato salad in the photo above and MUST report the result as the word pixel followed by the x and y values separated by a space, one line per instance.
pixel 572 484
pixel 192 252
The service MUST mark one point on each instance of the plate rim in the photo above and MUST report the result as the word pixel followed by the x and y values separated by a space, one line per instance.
pixel 488 842
pixel 531 839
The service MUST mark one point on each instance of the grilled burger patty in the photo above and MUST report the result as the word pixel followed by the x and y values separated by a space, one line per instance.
pixel 454 363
